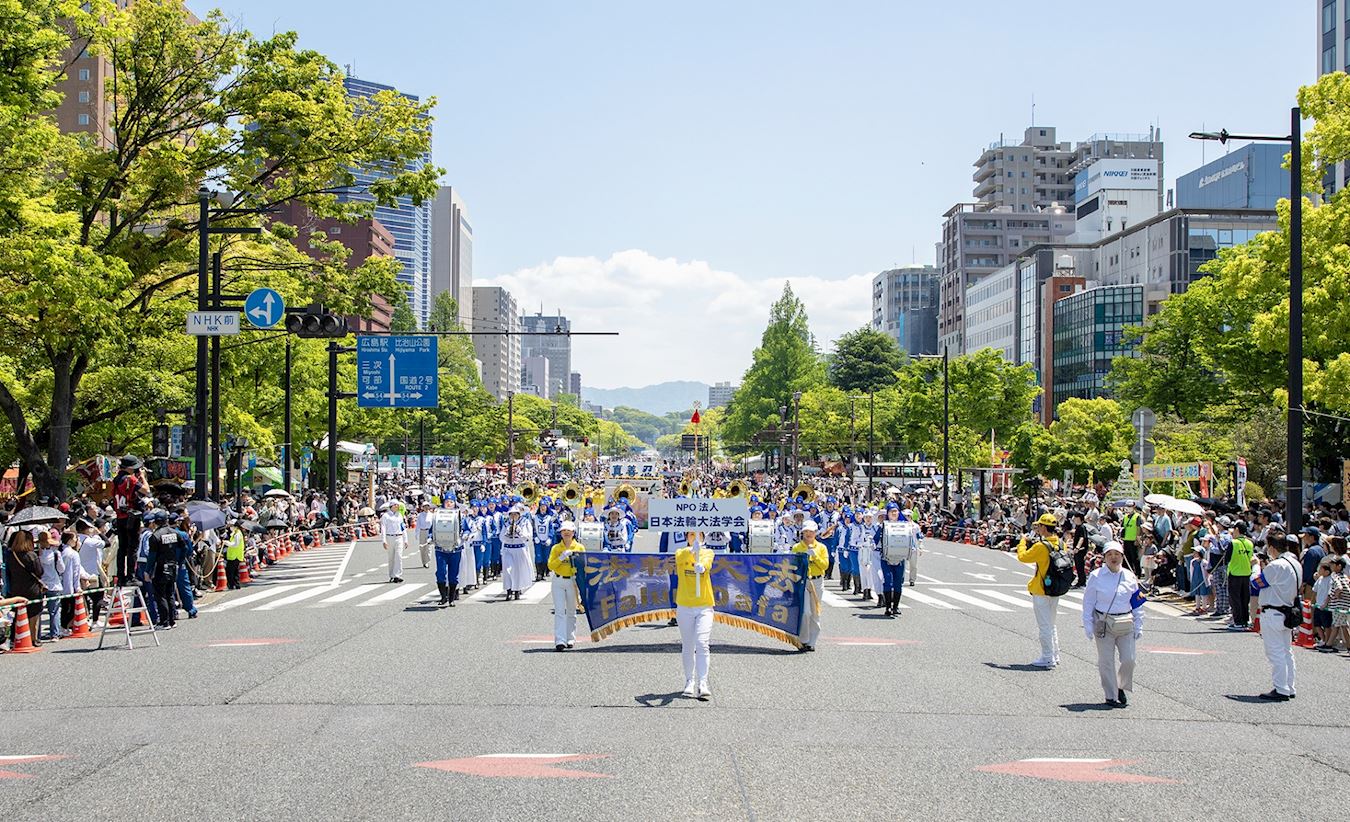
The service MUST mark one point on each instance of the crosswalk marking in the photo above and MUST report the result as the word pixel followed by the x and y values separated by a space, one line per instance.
pixel 927 600
pixel 493 590
pixel 969 600
pixel 313 591
pixel 400 591
pixel 537 592
pixel 1002 597
pixel 247 598
pixel 352 593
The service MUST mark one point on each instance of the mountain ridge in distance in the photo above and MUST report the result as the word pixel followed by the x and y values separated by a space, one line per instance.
pixel 660 399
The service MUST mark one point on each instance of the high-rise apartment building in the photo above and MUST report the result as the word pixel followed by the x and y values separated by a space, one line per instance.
pixel 905 307
pixel 534 376
pixel 548 335
pixel 1024 196
pixel 409 224
pixel 574 385
pixel 364 238
pixel 496 340
pixel 452 251
pixel 719 395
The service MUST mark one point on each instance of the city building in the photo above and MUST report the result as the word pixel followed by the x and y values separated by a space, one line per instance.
pixel 496 340
pixel 1088 335
pixel 409 224
pixel 977 243
pixel 1112 195
pixel 534 377
pixel 574 385
pixel 452 251
pixel 905 307
pixel 991 313
pixel 1250 177
pixel 85 106
pixel 1333 54
pixel 1023 194
pixel 364 238
pixel 549 336
pixel 1063 284
pixel 719 395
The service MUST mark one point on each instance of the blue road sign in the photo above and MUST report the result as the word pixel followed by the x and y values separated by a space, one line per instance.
pixel 396 371
pixel 264 308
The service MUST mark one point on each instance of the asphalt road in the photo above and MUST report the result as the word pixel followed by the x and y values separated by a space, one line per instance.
pixel 297 698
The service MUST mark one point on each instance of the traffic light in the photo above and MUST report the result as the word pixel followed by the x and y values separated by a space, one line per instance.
pixel 316 322
pixel 159 446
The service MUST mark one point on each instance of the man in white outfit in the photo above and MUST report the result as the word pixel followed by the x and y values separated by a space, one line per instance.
pixel 423 535
pixel 1278 584
pixel 394 530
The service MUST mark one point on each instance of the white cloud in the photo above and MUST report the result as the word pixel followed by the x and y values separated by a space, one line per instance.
pixel 676 320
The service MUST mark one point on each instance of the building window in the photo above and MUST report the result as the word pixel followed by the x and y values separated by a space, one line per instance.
pixel 1328 16
pixel 84 119
pixel 84 97
pixel 1328 59
pixel 84 74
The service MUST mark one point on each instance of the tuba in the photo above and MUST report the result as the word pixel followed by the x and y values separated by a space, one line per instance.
pixel 736 489
pixel 805 491
pixel 684 490
pixel 528 493
pixel 571 494
pixel 625 493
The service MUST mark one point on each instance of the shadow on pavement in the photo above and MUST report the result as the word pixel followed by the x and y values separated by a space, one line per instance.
pixel 660 700
pixel 1085 707
pixel 667 648
pixel 1020 666
pixel 1250 699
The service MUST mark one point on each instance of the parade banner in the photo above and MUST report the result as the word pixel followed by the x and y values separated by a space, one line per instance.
pixel 765 593
pixel 698 514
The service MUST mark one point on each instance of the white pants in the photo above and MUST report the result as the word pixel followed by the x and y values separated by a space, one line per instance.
pixel 394 544
pixel 1279 650
pixel 423 546
pixel 564 610
pixel 695 631
pixel 1107 648
pixel 811 611
pixel 1046 608
pixel 913 563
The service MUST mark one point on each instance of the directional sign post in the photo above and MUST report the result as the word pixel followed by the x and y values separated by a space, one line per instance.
pixel 396 371
pixel 264 308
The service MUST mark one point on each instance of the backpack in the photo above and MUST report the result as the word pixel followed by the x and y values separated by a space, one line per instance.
pixel 1059 573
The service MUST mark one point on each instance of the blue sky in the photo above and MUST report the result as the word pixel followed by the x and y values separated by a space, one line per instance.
pixel 660 169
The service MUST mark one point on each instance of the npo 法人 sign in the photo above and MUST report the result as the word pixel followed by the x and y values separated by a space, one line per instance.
pixel 698 514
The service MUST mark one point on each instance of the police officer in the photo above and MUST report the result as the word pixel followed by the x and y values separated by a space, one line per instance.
pixel 169 550
pixel 394 529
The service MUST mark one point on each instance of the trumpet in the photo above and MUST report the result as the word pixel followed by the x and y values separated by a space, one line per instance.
pixel 528 493
pixel 571 494
pixel 625 493
pixel 805 491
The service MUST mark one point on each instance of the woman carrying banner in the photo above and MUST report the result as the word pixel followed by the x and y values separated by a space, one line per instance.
pixel 694 610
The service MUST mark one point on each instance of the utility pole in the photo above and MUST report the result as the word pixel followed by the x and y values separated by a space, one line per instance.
pixel 852 440
pixel 286 424
pixel 334 510
pixel 199 469
pixel 510 440
pixel 946 423
pixel 553 450
pixel 421 449
pixel 871 439
pixel 215 384
pixel 796 435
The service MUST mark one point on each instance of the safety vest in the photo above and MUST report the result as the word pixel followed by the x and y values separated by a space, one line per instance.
pixel 1240 563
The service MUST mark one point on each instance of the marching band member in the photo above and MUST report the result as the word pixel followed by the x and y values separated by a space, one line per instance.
pixel 618 532
pixel 869 561
pixel 542 523
pixel 517 562
pixel 564 587
pixel 815 583
pixel 828 521
pixel 850 538
pixel 443 529
pixel 694 611
pixel 672 542
pixel 393 528
pixel 468 558
pixel 789 530
pixel 718 540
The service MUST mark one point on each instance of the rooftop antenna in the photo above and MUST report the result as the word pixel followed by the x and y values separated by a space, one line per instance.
pixel 1033 109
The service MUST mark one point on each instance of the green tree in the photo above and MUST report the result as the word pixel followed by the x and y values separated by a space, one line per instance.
pixel 1090 436
pixel 95 238
pixel 402 320
pixel 784 363
pixel 864 360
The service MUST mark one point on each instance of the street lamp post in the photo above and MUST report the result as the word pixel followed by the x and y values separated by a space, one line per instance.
pixel 1294 432
pixel 946 416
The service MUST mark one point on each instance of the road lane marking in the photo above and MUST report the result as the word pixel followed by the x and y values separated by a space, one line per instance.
pixel 244 600
pixel 352 593
pixel 315 591
pixel 400 591
pixel 969 600
pixel 1002 597
pixel 910 593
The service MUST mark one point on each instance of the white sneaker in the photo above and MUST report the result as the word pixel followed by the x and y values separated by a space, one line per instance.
pixel 1042 663
pixel 703 691
pixel 689 689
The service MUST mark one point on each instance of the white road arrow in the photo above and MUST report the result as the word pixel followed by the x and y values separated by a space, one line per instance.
pixel 393 395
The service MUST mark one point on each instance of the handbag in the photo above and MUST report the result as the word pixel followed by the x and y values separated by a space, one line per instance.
pixel 1108 624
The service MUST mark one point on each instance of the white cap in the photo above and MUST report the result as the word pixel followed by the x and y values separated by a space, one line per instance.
pixel 517 509
pixel 1113 546
pixel 568 526
pixel 809 525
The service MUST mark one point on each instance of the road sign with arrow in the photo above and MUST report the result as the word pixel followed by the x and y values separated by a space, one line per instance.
pixel 264 308
pixel 397 371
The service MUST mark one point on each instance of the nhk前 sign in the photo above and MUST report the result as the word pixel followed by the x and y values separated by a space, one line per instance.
pixel 698 514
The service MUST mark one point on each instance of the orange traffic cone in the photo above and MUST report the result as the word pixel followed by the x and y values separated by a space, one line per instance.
pixel 244 578
pixel 1256 624
pixel 23 637
pixel 115 618
pixel 1303 637
pixel 221 583
pixel 79 629
pixel 271 552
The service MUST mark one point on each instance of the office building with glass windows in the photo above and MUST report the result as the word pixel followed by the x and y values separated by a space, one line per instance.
pixel 409 224
pixel 452 252
pixel 1333 54
pixel 1089 334
pixel 905 307
pixel 548 336
pixel 1250 177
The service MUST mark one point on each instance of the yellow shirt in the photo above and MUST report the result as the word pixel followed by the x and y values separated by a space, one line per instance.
pixel 692 589
pixel 557 565
pixel 820 557
pixel 1038 554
